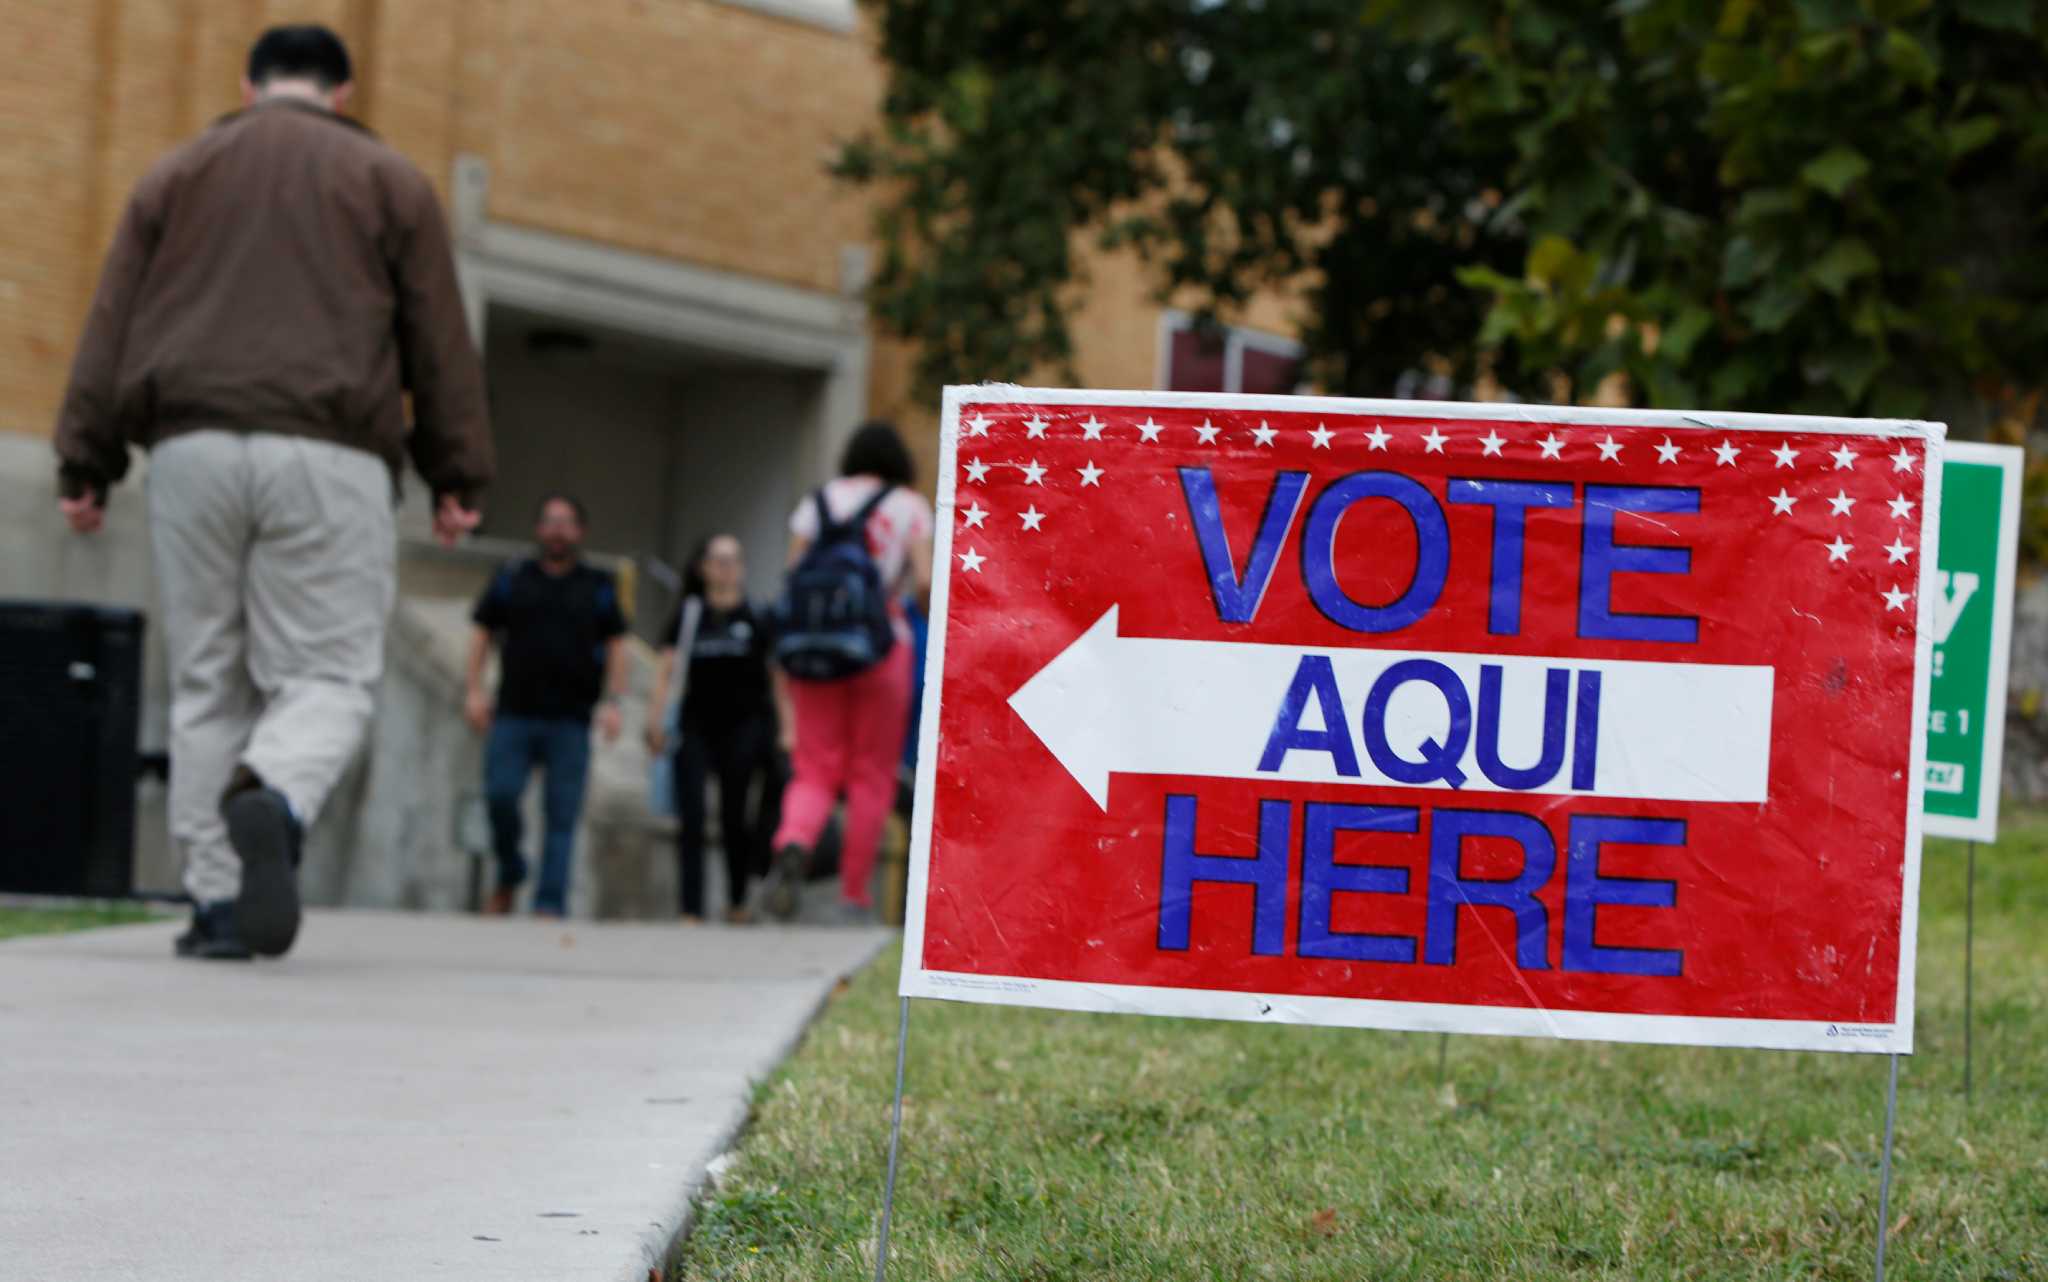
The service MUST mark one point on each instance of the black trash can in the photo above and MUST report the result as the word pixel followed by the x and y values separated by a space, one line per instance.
pixel 70 703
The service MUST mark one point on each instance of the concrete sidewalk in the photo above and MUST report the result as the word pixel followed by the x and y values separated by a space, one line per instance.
pixel 404 1097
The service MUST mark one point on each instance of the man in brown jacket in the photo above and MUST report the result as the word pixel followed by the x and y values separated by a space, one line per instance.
pixel 276 287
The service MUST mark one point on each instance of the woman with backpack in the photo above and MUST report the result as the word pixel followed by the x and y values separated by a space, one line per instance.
pixel 730 724
pixel 858 546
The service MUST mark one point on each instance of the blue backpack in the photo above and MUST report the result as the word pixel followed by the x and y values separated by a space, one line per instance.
pixel 832 620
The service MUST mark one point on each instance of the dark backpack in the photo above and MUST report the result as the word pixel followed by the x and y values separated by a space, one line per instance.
pixel 832 620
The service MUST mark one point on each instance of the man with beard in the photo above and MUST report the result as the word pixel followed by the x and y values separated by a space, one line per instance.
pixel 558 627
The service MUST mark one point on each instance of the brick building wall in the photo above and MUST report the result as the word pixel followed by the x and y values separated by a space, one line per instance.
pixel 696 131
pixel 677 133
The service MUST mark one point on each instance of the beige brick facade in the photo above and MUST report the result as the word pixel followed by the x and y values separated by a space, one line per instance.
pixel 695 131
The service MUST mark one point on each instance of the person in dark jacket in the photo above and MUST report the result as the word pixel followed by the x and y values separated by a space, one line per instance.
pixel 558 627
pixel 276 289
pixel 734 718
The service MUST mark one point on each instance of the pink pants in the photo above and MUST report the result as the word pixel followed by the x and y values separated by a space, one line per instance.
pixel 849 739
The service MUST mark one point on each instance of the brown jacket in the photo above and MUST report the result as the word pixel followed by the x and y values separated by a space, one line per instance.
pixel 283 272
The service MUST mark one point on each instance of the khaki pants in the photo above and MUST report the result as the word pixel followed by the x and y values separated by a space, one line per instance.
pixel 276 562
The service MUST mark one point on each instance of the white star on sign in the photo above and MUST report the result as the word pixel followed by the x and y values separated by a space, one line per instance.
pixel 1840 504
pixel 1838 550
pixel 1378 437
pixel 1844 457
pixel 1610 452
pixel 1207 431
pixel 1667 452
pixel 1092 429
pixel 1895 599
pixel 1902 507
pixel 977 471
pixel 1897 551
pixel 1033 473
pixel 971 560
pixel 1489 444
pixel 1031 517
pixel 1903 460
pixel 1265 434
pixel 1781 502
pixel 1785 454
pixel 1321 436
pixel 1724 454
pixel 1149 430
pixel 977 426
pixel 975 515
pixel 1091 474
pixel 1035 427
pixel 1434 442
pixel 1550 445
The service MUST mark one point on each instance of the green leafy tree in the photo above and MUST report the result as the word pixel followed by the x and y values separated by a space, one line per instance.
pixel 1825 206
pixel 1235 145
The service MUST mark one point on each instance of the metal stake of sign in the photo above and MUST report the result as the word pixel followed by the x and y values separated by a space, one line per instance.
pixel 1969 964
pixel 1884 1178
pixel 1443 1053
pixel 896 1143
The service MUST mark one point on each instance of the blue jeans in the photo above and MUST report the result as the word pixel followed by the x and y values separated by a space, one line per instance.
pixel 560 746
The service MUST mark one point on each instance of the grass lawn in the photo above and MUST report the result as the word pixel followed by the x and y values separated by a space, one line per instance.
pixel 1041 1145
pixel 45 921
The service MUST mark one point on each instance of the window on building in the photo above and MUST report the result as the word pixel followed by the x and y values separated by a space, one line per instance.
pixel 1225 358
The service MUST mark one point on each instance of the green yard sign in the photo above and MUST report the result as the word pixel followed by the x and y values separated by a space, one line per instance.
pixel 1975 562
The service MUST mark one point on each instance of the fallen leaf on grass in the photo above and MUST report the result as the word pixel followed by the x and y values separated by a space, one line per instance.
pixel 1324 1221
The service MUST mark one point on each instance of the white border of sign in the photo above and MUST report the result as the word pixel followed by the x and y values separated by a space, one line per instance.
pixel 1895 1037
pixel 2011 461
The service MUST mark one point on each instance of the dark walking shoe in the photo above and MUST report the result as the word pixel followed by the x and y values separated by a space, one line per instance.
pixel 785 882
pixel 501 901
pixel 266 837
pixel 212 936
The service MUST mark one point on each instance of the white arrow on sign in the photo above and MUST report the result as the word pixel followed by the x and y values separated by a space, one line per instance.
pixel 1111 704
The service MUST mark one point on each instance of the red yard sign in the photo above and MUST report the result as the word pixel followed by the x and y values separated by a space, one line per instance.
pixel 1479 718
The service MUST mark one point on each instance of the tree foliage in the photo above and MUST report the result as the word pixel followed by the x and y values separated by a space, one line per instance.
pixel 1823 206
pixel 1235 145
pixel 1828 206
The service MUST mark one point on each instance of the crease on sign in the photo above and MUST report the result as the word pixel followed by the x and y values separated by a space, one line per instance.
pixel 1115 1002
pixel 1711 791
pixel 1513 966
pixel 993 923
pixel 1738 890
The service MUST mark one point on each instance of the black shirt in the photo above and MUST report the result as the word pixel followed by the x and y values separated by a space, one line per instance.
pixel 552 631
pixel 728 679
